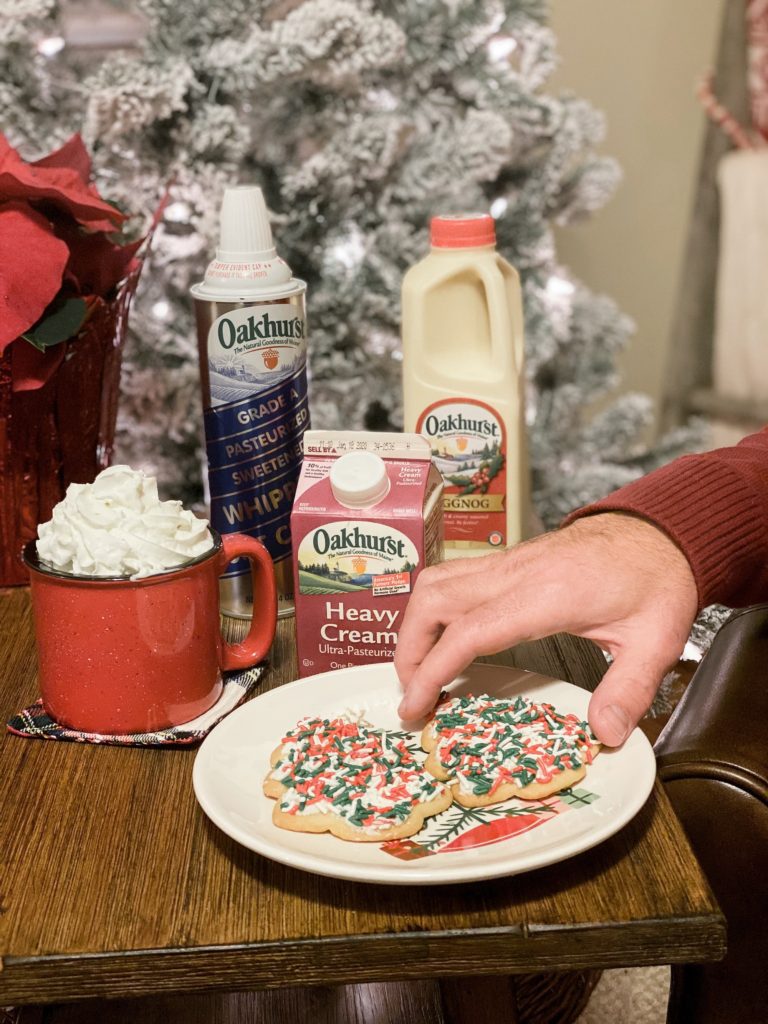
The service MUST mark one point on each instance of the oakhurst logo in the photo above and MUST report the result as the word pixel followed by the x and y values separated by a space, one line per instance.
pixel 456 422
pixel 345 539
pixel 263 328
pixel 350 556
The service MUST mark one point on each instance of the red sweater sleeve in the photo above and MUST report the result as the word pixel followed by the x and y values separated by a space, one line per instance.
pixel 714 506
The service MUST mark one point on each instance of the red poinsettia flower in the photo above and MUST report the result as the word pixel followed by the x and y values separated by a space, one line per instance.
pixel 62 180
pixel 32 262
pixel 57 256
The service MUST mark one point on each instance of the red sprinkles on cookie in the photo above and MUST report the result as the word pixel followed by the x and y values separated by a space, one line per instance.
pixel 494 745
pixel 366 778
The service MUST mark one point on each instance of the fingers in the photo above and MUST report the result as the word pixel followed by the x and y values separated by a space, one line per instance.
pixel 487 629
pixel 442 594
pixel 624 695
pixel 468 608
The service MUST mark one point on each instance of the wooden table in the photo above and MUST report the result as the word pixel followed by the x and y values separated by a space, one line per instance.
pixel 113 882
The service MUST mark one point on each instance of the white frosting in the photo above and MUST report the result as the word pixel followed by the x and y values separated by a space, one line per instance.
pixel 117 526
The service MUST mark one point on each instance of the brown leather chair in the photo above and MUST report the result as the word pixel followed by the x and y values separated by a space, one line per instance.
pixel 713 760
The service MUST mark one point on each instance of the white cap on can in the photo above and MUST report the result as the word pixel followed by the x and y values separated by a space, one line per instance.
pixel 246 265
pixel 359 479
pixel 244 231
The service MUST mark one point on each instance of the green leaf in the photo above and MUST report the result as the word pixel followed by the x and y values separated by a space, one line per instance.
pixel 57 324
pixel 35 344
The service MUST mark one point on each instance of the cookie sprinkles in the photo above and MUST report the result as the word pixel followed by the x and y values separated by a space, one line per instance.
pixel 356 782
pixel 492 748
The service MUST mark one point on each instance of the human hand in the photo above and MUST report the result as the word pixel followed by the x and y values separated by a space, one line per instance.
pixel 612 578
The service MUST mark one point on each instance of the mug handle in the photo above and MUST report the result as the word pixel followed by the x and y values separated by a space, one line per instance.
pixel 256 644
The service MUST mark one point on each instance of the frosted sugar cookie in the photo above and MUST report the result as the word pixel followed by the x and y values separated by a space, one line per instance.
pixel 360 784
pixel 489 749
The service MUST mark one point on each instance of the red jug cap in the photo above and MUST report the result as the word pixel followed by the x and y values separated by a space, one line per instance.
pixel 463 230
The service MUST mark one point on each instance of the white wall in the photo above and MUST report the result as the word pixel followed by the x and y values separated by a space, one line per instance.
pixel 639 61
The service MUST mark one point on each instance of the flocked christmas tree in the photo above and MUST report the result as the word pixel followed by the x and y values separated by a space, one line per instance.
pixel 359 119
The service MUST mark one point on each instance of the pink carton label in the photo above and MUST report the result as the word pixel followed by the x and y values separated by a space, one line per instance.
pixel 354 569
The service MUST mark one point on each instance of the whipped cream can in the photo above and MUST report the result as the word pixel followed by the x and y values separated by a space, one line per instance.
pixel 252 342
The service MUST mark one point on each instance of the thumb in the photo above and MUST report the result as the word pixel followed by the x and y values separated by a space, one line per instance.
pixel 624 695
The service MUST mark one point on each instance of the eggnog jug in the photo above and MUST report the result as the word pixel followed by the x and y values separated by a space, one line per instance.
pixel 463 381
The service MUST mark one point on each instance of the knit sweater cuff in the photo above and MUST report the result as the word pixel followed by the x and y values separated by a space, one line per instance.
pixel 709 511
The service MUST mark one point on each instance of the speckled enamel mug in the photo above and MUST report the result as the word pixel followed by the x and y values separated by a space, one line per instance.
pixel 118 656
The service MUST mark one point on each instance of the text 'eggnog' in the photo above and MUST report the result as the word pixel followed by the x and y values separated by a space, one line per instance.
pixel 367 518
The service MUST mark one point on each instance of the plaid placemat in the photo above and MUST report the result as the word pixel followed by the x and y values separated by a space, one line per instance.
pixel 34 721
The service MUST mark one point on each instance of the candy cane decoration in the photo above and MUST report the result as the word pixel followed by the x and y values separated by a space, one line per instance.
pixel 716 112
pixel 757 63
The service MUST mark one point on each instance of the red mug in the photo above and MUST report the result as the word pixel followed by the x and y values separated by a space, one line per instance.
pixel 123 656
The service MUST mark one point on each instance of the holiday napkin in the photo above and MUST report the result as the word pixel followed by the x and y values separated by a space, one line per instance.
pixel 34 721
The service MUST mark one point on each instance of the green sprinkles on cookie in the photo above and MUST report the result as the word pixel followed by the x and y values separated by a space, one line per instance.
pixel 484 742
pixel 366 776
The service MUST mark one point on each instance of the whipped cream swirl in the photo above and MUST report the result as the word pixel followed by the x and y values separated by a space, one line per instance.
pixel 118 526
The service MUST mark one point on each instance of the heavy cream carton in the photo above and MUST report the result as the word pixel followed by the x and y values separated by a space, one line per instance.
pixel 367 517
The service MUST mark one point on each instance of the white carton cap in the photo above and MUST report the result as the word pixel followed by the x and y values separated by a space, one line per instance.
pixel 359 479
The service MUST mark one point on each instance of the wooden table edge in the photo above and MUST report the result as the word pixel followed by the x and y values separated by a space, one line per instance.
pixel 345 959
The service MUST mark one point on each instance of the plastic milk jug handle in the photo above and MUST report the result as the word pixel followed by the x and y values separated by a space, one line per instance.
pixel 501 320
pixel 517 321
pixel 256 644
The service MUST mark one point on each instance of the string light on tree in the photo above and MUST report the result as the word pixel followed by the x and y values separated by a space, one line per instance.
pixel 501 48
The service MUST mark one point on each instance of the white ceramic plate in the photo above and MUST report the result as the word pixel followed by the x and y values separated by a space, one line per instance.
pixel 459 845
